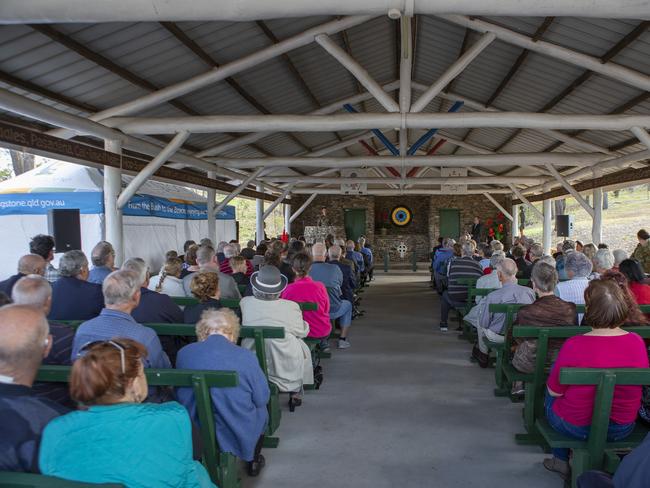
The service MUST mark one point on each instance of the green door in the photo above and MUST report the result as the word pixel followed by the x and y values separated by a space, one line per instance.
pixel 355 222
pixel 450 222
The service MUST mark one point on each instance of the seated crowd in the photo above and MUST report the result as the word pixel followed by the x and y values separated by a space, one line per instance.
pixel 95 319
pixel 609 284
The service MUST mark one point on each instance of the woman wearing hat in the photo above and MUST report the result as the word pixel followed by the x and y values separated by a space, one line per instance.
pixel 288 359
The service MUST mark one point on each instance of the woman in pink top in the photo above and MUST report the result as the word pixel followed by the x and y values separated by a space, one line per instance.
pixel 304 289
pixel 569 407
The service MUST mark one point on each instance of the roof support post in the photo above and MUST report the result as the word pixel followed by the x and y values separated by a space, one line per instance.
pixel 499 206
pixel 358 71
pixel 211 199
pixel 277 202
pixel 302 208
pixel 237 191
pixel 597 220
pixel 642 135
pixel 453 71
pixel 287 218
pixel 405 68
pixel 567 186
pixel 521 197
pixel 259 217
pixel 515 223
pixel 153 166
pixel 547 226
pixel 112 213
pixel 610 69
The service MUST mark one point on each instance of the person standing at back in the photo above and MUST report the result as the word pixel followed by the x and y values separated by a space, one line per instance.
pixel 23 415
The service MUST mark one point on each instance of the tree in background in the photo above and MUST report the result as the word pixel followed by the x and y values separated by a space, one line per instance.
pixel 21 162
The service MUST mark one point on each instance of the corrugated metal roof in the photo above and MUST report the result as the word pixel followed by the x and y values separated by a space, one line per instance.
pixel 151 52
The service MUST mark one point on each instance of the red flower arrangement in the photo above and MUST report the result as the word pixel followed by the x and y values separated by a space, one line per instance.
pixel 496 228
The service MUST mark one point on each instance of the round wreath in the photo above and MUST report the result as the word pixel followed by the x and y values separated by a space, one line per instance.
pixel 401 216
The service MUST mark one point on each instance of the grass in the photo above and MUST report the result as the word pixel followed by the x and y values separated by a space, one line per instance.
pixel 627 213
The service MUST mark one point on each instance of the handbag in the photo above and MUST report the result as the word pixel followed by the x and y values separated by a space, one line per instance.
pixel 525 357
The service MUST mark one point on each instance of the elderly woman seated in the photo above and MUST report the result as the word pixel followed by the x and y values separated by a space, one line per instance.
pixel 304 289
pixel 577 267
pixel 116 438
pixel 205 287
pixel 569 407
pixel 168 280
pixel 240 412
pixel 602 261
pixel 288 359
pixel 548 311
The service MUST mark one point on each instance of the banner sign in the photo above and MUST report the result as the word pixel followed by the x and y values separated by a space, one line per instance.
pixel 91 202
pixel 146 205
pixel 88 202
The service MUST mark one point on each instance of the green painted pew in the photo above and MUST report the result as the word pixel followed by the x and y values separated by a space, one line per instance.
pixel 596 452
pixel 188 330
pixel 30 480
pixel 469 332
pixel 221 466
pixel 535 382
pixel 234 303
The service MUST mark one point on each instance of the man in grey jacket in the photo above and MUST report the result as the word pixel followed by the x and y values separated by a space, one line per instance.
pixel 490 325
pixel 207 261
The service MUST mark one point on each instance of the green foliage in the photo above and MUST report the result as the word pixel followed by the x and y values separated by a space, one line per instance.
pixel 246 217
pixel 5 174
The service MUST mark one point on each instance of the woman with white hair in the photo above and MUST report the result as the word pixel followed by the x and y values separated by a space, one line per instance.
pixel 602 261
pixel 288 359
pixel 577 267
pixel 240 412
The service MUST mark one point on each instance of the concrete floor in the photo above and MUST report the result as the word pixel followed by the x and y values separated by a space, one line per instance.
pixel 403 407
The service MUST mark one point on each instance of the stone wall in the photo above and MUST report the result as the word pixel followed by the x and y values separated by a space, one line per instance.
pixel 470 206
pixel 418 206
pixel 423 231
pixel 335 205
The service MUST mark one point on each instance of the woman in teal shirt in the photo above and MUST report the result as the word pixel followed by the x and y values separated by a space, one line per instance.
pixel 116 438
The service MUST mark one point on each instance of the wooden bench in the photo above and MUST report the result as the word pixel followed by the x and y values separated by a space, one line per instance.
pixel 596 452
pixel 505 373
pixel 221 466
pixel 24 480
pixel 234 303
pixel 469 331
pixel 258 334
pixel 535 383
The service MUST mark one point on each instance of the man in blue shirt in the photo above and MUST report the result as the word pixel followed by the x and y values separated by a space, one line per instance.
pixel 332 278
pixel 73 298
pixel 355 256
pixel 156 308
pixel 103 259
pixel 349 283
pixel 25 342
pixel 122 296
